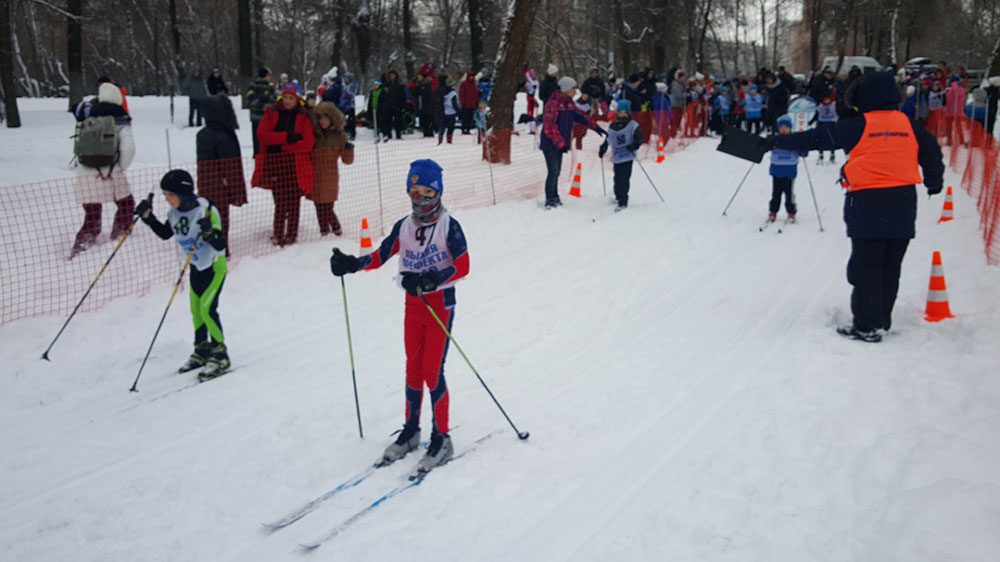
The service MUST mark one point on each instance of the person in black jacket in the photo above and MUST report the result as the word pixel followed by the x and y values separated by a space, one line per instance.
pixel 593 86
pixel 550 83
pixel 216 85
pixel 884 150
pixel 259 96
pixel 220 166
pixel 390 105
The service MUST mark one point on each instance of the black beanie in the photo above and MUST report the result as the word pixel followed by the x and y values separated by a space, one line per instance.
pixel 178 182
pixel 264 72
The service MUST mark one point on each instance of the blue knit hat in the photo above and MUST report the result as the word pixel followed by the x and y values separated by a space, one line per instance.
pixel 625 105
pixel 425 172
pixel 785 121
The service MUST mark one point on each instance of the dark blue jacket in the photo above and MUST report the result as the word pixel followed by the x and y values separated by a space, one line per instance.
pixel 875 213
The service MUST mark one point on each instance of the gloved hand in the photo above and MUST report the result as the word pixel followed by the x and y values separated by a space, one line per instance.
pixel 933 190
pixel 342 264
pixel 205 224
pixel 349 146
pixel 633 147
pixel 418 284
pixel 603 150
pixel 144 210
pixel 294 137
pixel 600 131
pixel 768 142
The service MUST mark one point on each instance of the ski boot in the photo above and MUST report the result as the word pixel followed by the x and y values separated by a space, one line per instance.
pixel 820 161
pixel 791 218
pixel 217 363
pixel 439 452
pixel 198 359
pixel 408 440
pixel 771 217
pixel 833 159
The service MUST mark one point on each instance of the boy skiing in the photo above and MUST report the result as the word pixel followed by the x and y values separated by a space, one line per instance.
pixel 433 257
pixel 625 137
pixel 826 117
pixel 784 168
pixel 198 225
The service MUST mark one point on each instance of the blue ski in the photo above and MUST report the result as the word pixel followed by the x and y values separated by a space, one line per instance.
pixel 343 526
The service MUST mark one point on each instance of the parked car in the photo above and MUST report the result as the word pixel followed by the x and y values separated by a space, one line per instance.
pixel 866 64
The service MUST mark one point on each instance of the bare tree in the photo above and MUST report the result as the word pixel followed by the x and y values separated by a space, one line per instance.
pixel 512 52
pixel 7 66
pixel 74 51
pixel 475 32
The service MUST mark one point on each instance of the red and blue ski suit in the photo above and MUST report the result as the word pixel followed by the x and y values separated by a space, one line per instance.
pixel 439 247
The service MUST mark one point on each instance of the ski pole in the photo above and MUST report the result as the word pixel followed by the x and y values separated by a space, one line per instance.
pixel 350 348
pixel 121 241
pixel 604 183
pixel 164 317
pixel 521 435
pixel 752 164
pixel 811 190
pixel 647 177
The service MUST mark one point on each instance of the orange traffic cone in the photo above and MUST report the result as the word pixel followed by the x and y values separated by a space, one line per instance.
pixel 659 151
pixel 574 190
pixel 948 213
pixel 937 294
pixel 366 238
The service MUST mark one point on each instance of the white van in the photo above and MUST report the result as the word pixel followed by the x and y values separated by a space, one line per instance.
pixel 866 64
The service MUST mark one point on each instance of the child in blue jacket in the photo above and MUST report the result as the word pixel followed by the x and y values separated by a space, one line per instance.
pixel 784 168
pixel 754 104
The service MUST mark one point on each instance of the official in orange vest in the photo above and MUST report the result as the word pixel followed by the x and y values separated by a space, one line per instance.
pixel 886 153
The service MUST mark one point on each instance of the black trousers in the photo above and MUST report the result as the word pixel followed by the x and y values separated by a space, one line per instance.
pixel 623 175
pixel 781 186
pixel 467 124
pixel 873 271
pixel 193 110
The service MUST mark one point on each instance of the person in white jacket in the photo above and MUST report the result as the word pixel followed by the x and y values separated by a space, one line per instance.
pixel 95 186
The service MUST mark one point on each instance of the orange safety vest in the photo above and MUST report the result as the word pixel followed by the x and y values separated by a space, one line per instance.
pixel 886 155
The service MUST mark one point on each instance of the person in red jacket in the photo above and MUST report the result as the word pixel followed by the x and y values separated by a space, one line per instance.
pixel 468 98
pixel 283 164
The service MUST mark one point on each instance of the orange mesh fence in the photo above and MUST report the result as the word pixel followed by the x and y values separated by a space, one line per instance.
pixel 976 154
pixel 43 222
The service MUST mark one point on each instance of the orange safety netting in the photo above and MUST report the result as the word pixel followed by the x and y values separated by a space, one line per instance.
pixel 42 221
pixel 976 155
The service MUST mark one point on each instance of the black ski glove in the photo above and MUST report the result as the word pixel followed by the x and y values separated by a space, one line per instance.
pixel 349 146
pixel 633 147
pixel 205 224
pixel 144 210
pixel 418 284
pixel 294 137
pixel 934 190
pixel 600 131
pixel 342 264
pixel 603 150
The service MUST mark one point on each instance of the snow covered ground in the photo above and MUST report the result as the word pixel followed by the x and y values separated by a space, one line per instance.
pixel 686 394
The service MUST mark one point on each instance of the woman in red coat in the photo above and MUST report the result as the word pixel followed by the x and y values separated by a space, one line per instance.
pixel 283 164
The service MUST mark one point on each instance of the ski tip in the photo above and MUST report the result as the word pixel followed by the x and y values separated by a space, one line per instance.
pixel 308 547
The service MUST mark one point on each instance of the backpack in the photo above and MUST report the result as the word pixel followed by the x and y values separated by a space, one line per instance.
pixel 96 143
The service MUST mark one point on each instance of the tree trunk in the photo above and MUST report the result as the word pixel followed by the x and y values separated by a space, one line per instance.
pixel 512 54
pixel 476 33
pixel 995 60
pixel 777 22
pixel 337 58
pixel 7 66
pixel 623 46
pixel 408 56
pixel 245 34
pixel 258 31
pixel 175 34
pixel 815 29
pixel 74 52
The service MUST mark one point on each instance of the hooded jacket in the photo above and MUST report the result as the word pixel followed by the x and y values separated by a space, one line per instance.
pixel 220 166
pixel 331 148
pixel 886 212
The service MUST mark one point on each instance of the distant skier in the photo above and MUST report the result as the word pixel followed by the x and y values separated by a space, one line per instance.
pixel 624 138
pixel 433 257
pixel 784 169
pixel 825 118
pixel 886 152
pixel 196 223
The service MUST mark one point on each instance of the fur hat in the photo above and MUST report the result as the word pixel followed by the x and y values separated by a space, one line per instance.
pixel 699 76
pixel 425 172
pixel 566 84
pixel 552 69
pixel 109 93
